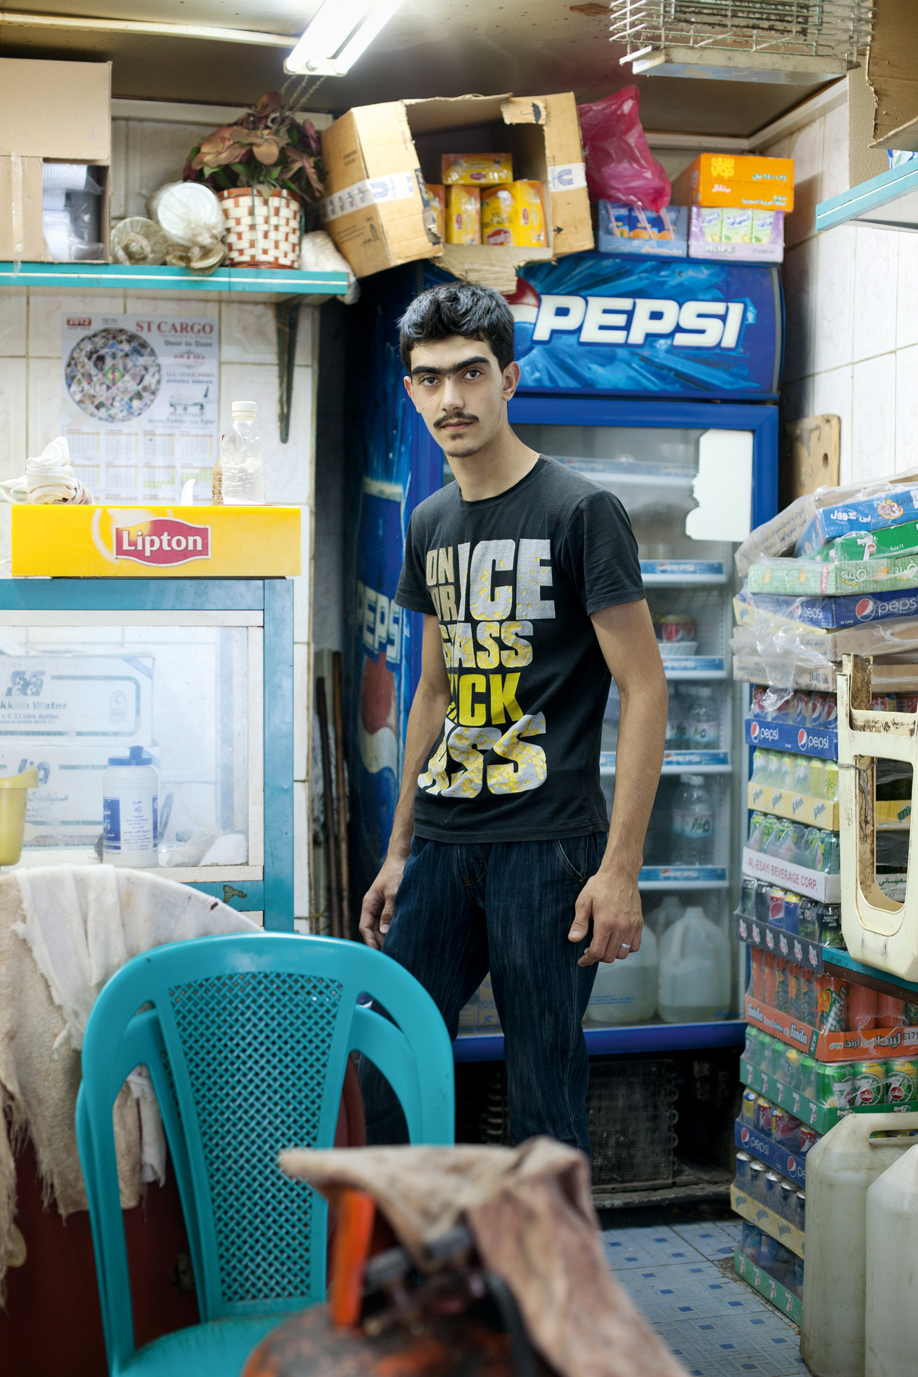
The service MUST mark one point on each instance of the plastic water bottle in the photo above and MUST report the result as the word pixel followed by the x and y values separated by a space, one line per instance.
pixel 240 452
pixel 704 722
pixel 130 801
pixel 693 823
pixel 674 725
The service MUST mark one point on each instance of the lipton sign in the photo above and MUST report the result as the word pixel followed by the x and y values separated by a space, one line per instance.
pixel 149 542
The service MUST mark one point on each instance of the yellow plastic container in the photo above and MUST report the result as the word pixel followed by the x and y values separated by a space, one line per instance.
pixel 513 214
pixel 12 813
pixel 476 169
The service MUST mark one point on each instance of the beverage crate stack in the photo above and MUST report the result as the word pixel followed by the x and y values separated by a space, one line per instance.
pixel 835 573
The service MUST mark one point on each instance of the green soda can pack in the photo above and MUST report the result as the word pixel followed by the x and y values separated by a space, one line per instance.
pixel 809 1069
pixel 869 1082
pixel 901 1082
pixel 836 1085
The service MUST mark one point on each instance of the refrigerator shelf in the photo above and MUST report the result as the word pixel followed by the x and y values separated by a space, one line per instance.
pixel 681 668
pixel 642 1037
pixel 680 573
pixel 683 877
pixel 679 762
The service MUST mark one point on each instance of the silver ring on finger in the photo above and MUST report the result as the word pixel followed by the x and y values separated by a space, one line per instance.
pixel 624 946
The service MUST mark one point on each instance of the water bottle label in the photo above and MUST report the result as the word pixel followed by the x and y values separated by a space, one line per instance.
pixel 111 824
pixel 692 824
pixel 130 824
pixel 705 731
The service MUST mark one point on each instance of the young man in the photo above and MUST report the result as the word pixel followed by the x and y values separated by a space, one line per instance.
pixel 501 856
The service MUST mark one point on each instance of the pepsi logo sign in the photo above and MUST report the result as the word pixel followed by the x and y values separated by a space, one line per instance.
pixel 754 731
pixel 801 738
pixel 865 609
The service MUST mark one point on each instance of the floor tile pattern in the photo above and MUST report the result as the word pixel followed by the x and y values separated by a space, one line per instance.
pixel 715 1324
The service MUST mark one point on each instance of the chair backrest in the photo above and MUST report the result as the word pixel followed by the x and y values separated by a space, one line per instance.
pixel 246 1037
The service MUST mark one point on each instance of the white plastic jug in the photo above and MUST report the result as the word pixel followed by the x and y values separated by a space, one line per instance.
pixel 694 971
pixel 891 1328
pixel 839 1170
pixel 664 915
pixel 626 991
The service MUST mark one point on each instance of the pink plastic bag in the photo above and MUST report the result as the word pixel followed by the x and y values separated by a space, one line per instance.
pixel 619 166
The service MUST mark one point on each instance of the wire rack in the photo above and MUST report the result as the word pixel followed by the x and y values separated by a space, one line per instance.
pixel 835 30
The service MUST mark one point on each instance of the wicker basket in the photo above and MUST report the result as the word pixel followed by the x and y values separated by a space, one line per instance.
pixel 262 232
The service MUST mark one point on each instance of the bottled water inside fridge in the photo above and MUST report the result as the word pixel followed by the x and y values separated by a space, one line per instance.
pixel 240 452
pixel 704 721
pixel 693 823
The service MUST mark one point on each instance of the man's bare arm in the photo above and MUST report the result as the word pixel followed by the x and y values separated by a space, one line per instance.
pixel 425 722
pixel 610 899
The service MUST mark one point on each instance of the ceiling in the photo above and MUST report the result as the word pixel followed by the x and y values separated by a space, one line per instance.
pixel 430 48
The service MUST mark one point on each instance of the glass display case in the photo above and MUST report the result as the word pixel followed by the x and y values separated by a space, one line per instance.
pixel 171 675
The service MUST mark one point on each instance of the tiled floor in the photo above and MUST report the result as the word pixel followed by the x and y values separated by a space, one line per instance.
pixel 716 1324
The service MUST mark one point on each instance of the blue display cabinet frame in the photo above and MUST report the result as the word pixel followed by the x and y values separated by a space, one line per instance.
pixel 273 894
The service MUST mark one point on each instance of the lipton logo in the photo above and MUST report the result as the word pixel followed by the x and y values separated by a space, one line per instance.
pixel 144 537
pixel 164 540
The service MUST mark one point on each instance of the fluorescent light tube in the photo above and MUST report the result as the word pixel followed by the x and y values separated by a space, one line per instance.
pixel 342 27
pixel 376 20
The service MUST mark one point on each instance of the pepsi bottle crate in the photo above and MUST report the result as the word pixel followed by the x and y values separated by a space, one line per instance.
pixel 789 945
pixel 788 1164
pixel 787 736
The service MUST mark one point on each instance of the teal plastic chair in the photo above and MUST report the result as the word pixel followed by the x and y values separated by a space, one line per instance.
pixel 246 1038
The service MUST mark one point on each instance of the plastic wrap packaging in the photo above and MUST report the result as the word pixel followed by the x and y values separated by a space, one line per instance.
pixel 792 653
pixel 476 169
pixel 319 253
pixel 514 214
pixel 619 164
pixel 190 214
pixel 437 195
pixel 813 578
pixel 781 534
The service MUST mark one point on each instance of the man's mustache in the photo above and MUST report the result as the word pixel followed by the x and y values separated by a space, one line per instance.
pixel 448 420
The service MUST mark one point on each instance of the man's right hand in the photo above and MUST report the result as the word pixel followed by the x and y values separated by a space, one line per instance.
pixel 378 902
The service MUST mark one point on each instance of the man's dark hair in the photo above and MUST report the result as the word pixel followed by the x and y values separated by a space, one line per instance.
pixel 458 308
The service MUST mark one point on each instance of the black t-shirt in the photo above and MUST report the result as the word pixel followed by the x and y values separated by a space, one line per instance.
pixel 513 580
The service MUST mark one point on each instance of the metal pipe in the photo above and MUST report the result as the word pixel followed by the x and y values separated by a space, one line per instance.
pixel 148 28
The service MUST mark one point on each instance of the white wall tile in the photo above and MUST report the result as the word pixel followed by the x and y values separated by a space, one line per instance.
pixel 834 312
pixel 907 409
pixel 47 311
pixel 156 153
pixel 807 153
pixel 301 659
pixel 247 333
pixel 907 290
pixel 288 468
pixel 158 304
pixel 835 153
pixel 302 906
pixel 799 299
pixel 44 403
pixel 118 170
pixel 13 407
pixel 13 313
pixel 832 394
pixel 307 335
pixel 302 586
pixel 874 417
pixel 875 285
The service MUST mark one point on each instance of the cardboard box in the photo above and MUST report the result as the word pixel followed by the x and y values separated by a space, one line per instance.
pixel 155 542
pixel 871 1044
pixel 49 111
pixel 784 803
pixel 810 578
pixel 774 1155
pixel 833 613
pixel 739 236
pixel 378 159
pixel 787 736
pixel 81 699
pixel 865 514
pixel 769 1221
pixel 740 182
pixel 772 1290
pixel 66 808
pixel 623 230
pixel 814 884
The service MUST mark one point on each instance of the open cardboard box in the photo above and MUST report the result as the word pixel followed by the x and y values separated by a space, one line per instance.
pixel 49 112
pixel 379 157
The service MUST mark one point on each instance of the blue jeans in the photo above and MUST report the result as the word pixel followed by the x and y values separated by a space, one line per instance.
pixel 463 909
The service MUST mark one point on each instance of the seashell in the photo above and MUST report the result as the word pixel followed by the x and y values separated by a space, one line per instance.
pixel 138 240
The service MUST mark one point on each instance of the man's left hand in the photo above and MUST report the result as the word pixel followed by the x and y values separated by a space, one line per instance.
pixel 613 904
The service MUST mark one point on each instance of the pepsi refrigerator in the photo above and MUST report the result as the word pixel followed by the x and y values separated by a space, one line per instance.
pixel 657 379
